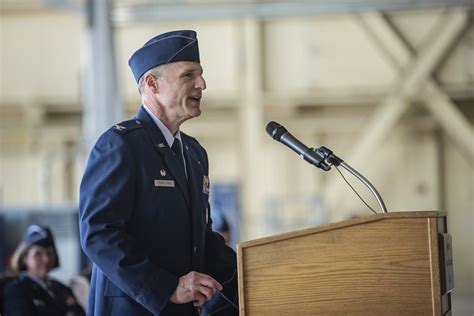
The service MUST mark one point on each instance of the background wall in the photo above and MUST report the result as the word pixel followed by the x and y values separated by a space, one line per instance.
pixel 325 77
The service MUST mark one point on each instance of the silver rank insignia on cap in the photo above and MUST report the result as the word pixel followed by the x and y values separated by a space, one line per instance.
pixel 119 127
pixel 205 184
pixel 163 172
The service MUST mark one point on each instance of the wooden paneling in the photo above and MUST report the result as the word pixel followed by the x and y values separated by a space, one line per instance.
pixel 378 265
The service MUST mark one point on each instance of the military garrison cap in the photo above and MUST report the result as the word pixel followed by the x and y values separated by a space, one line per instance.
pixel 165 48
pixel 41 236
pixel 38 235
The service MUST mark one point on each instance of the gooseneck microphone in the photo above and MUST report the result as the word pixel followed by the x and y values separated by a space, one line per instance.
pixel 321 157
pixel 279 133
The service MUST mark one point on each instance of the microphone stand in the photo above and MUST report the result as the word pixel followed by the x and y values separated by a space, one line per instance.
pixel 332 159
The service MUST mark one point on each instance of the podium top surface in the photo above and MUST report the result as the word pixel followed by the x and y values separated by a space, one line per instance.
pixel 341 224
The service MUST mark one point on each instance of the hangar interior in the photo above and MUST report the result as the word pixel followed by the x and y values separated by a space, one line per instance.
pixel 386 85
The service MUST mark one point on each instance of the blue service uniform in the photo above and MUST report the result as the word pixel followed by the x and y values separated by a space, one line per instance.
pixel 25 297
pixel 144 225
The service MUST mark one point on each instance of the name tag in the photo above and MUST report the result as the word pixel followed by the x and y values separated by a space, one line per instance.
pixel 164 183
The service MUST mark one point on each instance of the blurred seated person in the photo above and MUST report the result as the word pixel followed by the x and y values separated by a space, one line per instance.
pixel 33 292
pixel 222 227
pixel 80 286
pixel 5 278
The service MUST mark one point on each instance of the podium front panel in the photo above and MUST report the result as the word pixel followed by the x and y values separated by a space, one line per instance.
pixel 382 266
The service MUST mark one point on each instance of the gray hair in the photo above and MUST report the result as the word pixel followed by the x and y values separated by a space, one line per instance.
pixel 158 72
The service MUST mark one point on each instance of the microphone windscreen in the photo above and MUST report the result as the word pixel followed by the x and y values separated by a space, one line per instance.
pixel 275 130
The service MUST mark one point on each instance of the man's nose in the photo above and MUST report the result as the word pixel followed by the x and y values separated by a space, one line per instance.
pixel 201 83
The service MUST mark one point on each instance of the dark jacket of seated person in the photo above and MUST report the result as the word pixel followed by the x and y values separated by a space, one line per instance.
pixel 33 292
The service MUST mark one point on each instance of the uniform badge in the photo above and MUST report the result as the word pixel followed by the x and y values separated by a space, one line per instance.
pixel 163 172
pixel 205 184
pixel 119 127
pixel 164 183
pixel 70 301
pixel 38 302
pixel 161 145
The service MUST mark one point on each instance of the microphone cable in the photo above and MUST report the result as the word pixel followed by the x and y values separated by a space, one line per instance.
pixel 228 300
pixel 354 189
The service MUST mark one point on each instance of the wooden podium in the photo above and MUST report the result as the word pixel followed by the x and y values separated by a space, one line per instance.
pixel 384 264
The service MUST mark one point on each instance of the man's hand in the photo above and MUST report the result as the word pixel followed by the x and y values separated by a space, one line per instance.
pixel 195 287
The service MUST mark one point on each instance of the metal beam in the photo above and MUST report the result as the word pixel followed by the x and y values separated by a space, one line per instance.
pixel 448 115
pixel 392 107
pixel 66 5
pixel 150 11
pixel 453 122
pixel 155 11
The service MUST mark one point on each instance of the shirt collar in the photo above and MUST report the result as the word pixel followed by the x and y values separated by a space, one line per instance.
pixel 164 130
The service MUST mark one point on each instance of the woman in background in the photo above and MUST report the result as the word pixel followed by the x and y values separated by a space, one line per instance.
pixel 33 292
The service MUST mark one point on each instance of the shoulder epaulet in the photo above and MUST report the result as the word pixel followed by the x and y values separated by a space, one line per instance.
pixel 189 138
pixel 127 126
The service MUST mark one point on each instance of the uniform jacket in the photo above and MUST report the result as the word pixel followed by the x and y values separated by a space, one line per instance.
pixel 143 225
pixel 25 297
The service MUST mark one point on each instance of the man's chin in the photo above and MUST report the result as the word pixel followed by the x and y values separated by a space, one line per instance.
pixel 194 112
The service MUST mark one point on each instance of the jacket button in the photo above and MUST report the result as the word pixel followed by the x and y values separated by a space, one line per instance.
pixel 195 248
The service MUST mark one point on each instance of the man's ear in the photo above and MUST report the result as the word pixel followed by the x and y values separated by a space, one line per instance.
pixel 152 83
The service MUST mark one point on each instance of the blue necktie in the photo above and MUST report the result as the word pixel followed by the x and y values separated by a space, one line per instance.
pixel 176 147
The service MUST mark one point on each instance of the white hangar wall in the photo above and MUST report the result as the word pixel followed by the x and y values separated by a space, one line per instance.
pixel 323 77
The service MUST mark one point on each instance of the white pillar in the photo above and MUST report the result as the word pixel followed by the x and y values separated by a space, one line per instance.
pixel 102 102
pixel 252 129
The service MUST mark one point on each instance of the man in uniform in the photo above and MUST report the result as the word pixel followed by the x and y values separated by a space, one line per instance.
pixel 144 199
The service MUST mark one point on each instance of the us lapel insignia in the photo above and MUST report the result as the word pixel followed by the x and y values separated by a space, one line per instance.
pixel 38 302
pixel 163 172
pixel 70 301
pixel 161 145
pixel 205 184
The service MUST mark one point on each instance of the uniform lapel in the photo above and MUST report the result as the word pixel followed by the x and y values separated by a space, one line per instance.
pixel 195 180
pixel 38 292
pixel 159 142
pixel 194 176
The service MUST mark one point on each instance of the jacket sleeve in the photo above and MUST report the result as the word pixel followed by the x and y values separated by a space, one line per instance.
pixel 221 264
pixel 107 195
